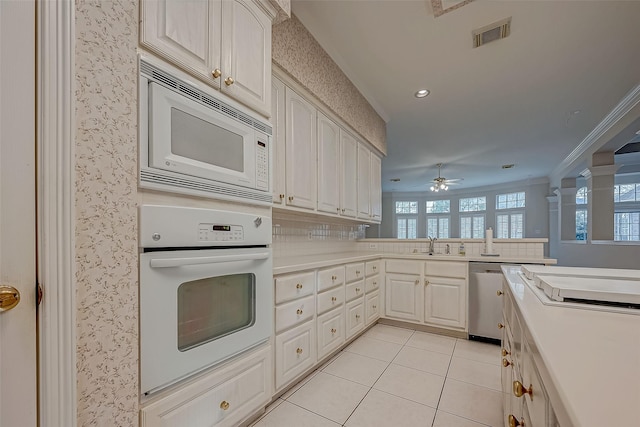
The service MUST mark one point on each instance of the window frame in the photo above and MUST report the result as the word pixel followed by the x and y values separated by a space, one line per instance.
pixel 473 216
pixel 524 201
pixel 510 213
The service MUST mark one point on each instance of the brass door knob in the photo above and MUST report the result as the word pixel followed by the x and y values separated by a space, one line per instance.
pixel 499 293
pixel 229 81
pixel 9 297
pixel 224 405
pixel 299 312
pixel 299 286
pixel 500 326
pixel 513 422
pixel 505 352
pixel 216 73
pixel 519 390
pixel 299 350
pixel 505 363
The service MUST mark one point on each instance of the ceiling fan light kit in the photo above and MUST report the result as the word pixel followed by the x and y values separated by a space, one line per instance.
pixel 439 183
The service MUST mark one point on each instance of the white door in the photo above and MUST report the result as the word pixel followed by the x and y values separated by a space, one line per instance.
pixel 17 214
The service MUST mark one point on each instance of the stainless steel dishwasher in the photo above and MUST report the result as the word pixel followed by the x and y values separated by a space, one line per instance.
pixel 485 307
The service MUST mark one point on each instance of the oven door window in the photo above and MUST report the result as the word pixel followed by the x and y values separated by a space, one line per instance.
pixel 214 307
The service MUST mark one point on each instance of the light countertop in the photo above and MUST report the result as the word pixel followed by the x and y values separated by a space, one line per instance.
pixel 289 264
pixel 591 358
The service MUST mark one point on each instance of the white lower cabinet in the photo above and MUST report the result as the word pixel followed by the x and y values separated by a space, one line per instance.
pixel 331 331
pixel 372 307
pixel 295 352
pixel 354 317
pixel 403 297
pixel 225 397
pixel 445 302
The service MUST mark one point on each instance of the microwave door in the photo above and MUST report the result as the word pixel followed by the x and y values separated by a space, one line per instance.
pixel 190 138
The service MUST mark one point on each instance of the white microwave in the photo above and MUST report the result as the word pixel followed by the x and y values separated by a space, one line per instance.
pixel 192 142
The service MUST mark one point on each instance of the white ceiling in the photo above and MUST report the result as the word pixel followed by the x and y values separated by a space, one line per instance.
pixel 510 101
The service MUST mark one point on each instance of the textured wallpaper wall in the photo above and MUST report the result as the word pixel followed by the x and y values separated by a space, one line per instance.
pixel 106 216
pixel 297 52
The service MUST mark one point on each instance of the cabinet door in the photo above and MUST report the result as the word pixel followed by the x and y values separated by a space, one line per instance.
pixel 364 182
pixel 355 317
pixel 246 54
pixel 301 151
pixel 328 165
pixel 186 33
pixel 372 307
pixel 445 302
pixel 278 140
pixel 295 352
pixel 403 296
pixel 349 176
pixel 330 332
pixel 376 188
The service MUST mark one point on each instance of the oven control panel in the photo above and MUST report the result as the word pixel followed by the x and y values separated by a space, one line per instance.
pixel 220 233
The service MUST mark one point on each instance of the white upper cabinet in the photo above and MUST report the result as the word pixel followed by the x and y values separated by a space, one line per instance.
pixel 376 188
pixel 300 151
pixel 278 140
pixel 364 182
pixel 328 165
pixel 349 177
pixel 227 43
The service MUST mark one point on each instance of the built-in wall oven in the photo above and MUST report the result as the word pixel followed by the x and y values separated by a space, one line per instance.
pixel 205 290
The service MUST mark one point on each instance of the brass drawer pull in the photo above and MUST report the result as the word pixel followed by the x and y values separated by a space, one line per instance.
pixel 513 422
pixel 224 405
pixel 357 290
pixel 357 316
pixel 333 330
pixel 334 277
pixel 334 299
pixel 299 312
pixel 357 272
pixel 299 350
pixel 298 286
pixel 216 73
pixel 499 293
pixel 520 390
pixel 500 326
pixel 505 363
pixel 229 81
pixel 505 352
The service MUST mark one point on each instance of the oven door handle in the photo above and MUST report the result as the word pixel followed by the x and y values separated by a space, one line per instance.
pixel 180 262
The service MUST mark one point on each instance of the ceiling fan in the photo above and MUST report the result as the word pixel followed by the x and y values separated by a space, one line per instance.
pixel 442 183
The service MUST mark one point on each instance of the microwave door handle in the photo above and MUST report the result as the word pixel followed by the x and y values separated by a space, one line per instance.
pixel 179 262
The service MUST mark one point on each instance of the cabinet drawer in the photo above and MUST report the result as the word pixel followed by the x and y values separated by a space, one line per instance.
pixel 295 353
pixel 446 269
pixel 354 290
pixel 354 271
pixel 371 268
pixel 354 317
pixel 330 278
pixel 294 312
pixel 294 286
pixel 372 283
pixel 405 267
pixel 330 299
pixel 330 332
pixel 537 403
pixel 372 307
pixel 242 387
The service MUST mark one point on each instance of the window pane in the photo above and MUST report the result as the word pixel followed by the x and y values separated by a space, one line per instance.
pixel 402 228
pixel 502 226
pixel 581 224
pixel 517 225
pixel 432 227
pixel 406 207
pixel 510 200
pixel 465 227
pixel 438 206
pixel 581 196
pixel 473 204
pixel 478 226
pixel 626 226
pixel 412 228
pixel 443 228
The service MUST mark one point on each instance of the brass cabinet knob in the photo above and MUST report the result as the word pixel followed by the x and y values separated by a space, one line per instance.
pixel 224 405
pixel 338 210
pixel 299 312
pixel 519 390
pixel 299 350
pixel 281 196
pixel 357 316
pixel 299 286
pixel 334 299
pixel 357 272
pixel 513 422
pixel 417 282
pixel 216 73
pixel 343 210
pixel 375 283
pixel 333 330
pixel 375 268
pixel 499 293
pixel 9 297
pixel 426 282
pixel 229 81
pixel 290 198
pixel 500 326
pixel 357 290
pixel 505 363
pixel 375 307
pixel 334 277
pixel 505 352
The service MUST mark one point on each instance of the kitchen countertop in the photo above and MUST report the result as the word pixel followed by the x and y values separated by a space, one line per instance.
pixel 282 265
pixel 590 358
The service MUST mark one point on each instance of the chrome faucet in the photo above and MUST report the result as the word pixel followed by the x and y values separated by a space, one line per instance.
pixel 432 240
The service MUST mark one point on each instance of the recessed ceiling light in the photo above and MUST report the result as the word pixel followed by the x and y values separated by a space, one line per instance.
pixel 576 112
pixel 508 166
pixel 395 180
pixel 421 93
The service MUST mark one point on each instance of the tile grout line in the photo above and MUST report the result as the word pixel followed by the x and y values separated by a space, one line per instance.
pixel 445 381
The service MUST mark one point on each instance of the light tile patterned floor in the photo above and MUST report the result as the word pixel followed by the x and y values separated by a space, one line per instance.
pixel 397 377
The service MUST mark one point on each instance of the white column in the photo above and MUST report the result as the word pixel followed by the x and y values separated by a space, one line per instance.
pixel 554 223
pixel 600 208
pixel 567 208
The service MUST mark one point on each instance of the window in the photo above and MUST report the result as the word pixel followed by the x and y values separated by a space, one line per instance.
pixel 510 200
pixel 407 220
pixel 438 226
pixel 407 228
pixel 472 226
pixel 473 204
pixel 581 214
pixel 406 207
pixel 438 206
pixel 626 193
pixel 510 226
pixel 626 226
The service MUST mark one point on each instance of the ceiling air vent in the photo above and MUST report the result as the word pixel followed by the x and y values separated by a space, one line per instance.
pixel 492 32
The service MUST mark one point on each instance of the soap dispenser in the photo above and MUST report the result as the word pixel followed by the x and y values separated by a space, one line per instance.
pixel 461 250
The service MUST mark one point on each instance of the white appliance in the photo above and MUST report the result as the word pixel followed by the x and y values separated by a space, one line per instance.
pixel 195 143
pixel 206 290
